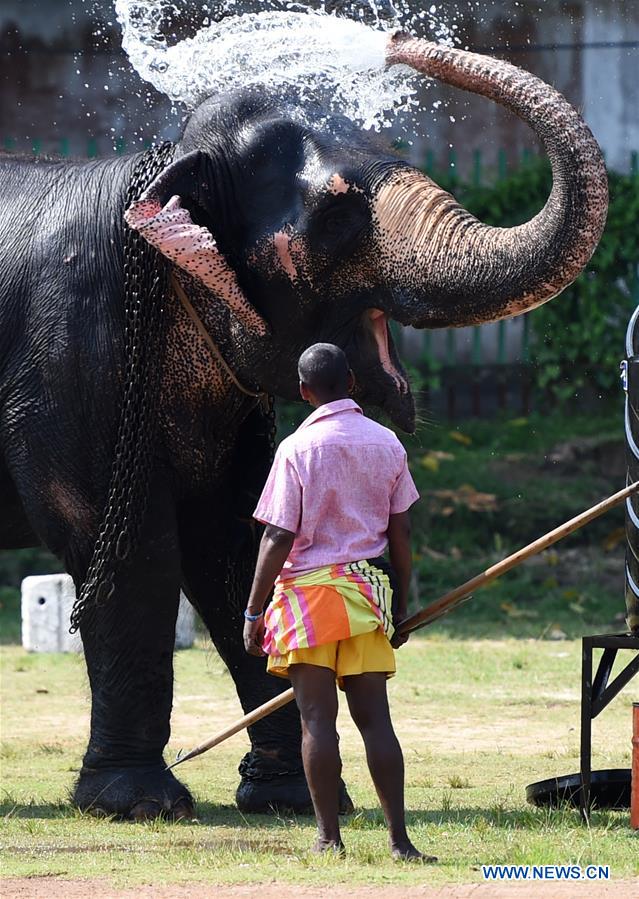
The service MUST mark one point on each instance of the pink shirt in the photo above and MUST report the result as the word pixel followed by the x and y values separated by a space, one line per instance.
pixel 333 483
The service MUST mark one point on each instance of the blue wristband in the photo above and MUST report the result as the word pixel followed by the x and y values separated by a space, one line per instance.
pixel 250 617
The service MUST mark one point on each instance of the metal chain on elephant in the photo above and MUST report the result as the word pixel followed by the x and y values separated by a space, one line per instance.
pixel 145 289
pixel 271 420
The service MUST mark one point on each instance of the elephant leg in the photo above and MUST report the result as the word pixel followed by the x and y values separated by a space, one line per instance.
pixel 217 585
pixel 128 644
pixel 218 541
pixel 218 547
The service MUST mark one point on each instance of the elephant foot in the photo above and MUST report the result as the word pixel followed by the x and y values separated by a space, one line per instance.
pixel 283 794
pixel 133 794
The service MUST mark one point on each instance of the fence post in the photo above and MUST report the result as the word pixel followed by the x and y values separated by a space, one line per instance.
pixel 502 387
pixel 451 358
pixel 525 358
pixel 452 165
pixel 477 168
pixel 502 164
pixel 476 360
pixel 425 359
pixel 429 162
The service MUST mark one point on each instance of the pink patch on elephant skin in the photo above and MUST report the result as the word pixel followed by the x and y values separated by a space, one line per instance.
pixel 172 231
pixel 338 185
pixel 282 243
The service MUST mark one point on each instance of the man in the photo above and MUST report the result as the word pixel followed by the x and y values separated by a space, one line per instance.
pixel 337 495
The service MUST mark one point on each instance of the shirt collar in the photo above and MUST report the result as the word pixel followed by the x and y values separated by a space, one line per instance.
pixel 323 411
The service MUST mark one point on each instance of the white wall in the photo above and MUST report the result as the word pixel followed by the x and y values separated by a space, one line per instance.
pixel 610 80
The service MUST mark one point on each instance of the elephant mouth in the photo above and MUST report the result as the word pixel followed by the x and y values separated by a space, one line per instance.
pixel 378 322
pixel 379 377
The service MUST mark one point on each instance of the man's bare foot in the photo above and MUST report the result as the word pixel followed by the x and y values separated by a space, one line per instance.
pixel 406 852
pixel 334 846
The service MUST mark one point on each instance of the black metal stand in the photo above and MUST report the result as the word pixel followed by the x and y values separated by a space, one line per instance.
pixel 598 693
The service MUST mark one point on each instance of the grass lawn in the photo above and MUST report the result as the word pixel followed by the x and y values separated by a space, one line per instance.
pixel 485 701
pixel 488 488
pixel 477 721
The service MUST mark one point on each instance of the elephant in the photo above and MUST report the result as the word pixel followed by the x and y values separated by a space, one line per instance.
pixel 309 229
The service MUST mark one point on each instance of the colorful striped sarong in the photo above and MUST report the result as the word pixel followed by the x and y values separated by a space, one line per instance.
pixel 328 604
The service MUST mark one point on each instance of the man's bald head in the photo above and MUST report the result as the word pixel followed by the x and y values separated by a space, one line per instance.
pixel 323 369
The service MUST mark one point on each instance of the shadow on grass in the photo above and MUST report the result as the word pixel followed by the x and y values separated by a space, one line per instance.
pixel 212 815
pixel 207 813
pixel 530 819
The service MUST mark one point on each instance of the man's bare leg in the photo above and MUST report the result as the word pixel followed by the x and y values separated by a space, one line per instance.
pixel 316 698
pixel 368 704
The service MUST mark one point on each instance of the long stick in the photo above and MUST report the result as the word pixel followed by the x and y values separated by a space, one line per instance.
pixel 449 601
pixel 435 610
pixel 256 715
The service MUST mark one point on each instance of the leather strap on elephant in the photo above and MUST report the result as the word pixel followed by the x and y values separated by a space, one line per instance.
pixel 208 340
pixel 145 290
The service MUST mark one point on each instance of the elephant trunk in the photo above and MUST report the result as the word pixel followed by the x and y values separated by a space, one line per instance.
pixel 446 267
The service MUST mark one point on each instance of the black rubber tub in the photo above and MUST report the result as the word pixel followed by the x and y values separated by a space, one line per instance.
pixel 608 789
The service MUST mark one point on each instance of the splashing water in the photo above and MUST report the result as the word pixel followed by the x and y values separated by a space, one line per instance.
pixel 335 60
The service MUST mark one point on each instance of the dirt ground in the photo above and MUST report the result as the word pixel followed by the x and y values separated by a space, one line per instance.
pixel 54 888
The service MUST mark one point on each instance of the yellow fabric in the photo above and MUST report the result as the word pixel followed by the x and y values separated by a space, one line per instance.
pixel 361 654
pixel 327 604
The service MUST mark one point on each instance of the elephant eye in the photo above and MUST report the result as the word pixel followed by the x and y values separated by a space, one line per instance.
pixel 334 221
pixel 341 222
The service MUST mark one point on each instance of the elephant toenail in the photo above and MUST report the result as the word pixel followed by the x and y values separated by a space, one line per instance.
pixel 145 810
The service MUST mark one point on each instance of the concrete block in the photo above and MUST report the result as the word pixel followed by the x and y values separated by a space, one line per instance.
pixel 47 601
pixel 185 625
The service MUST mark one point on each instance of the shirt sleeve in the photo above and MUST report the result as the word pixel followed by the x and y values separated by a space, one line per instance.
pixel 404 491
pixel 281 501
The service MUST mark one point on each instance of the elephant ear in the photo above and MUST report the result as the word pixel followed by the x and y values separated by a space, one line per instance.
pixel 169 228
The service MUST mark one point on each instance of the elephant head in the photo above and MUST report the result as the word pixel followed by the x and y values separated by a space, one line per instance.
pixel 308 230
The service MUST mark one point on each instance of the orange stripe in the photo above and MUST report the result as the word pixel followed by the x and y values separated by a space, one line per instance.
pixel 328 613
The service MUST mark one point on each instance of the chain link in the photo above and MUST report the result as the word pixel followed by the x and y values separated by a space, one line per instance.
pixel 145 289
pixel 271 420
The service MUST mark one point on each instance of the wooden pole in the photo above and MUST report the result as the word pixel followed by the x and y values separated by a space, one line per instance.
pixel 435 610
pixel 455 597
pixel 256 715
